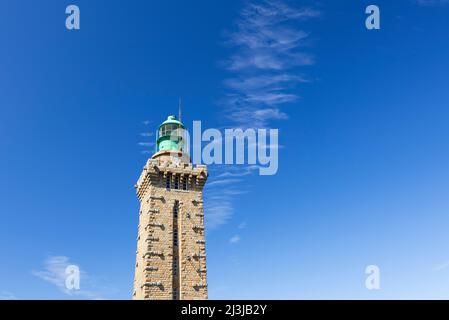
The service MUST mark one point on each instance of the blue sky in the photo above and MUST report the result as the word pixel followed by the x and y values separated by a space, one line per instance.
pixel 363 130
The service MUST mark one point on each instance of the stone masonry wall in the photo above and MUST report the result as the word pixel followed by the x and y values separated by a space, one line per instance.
pixel 156 276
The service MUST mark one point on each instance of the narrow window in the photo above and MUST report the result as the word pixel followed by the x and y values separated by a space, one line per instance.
pixel 175 237
pixel 175 261
pixel 175 266
pixel 175 294
pixel 184 184
pixel 175 210
pixel 167 181
pixel 176 182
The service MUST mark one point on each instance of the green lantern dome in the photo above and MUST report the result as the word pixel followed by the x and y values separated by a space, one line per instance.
pixel 165 139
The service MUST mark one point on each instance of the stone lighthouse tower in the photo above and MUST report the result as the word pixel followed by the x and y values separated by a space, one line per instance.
pixel 171 254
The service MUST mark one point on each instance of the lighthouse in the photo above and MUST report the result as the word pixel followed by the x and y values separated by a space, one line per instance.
pixel 171 248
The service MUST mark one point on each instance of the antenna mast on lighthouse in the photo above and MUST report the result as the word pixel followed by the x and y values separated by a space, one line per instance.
pixel 179 110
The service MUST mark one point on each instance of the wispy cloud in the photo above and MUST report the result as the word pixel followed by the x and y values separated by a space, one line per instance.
pixel 7 295
pixel 432 3
pixel 55 273
pixel 222 182
pixel 263 81
pixel 442 266
pixel 220 193
pixel 145 144
pixel 266 49
pixel 217 212
pixel 237 171
pixel 234 239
